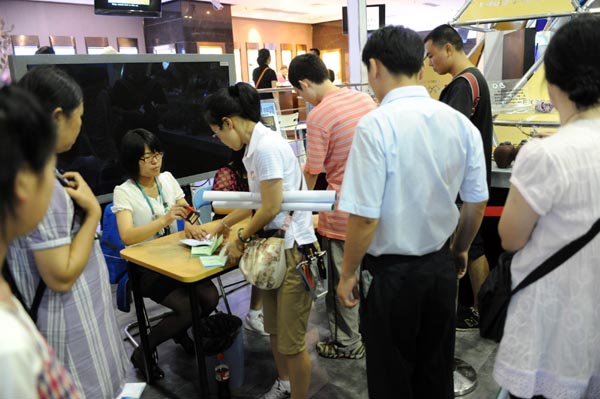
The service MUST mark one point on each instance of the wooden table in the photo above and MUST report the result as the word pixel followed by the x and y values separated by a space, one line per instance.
pixel 167 256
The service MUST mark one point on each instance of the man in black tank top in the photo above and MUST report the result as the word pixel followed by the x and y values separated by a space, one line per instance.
pixel 468 93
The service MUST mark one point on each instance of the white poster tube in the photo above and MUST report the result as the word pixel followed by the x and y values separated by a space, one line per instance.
pixel 285 206
pixel 316 196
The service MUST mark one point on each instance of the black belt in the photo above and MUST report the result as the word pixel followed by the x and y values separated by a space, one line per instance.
pixel 370 261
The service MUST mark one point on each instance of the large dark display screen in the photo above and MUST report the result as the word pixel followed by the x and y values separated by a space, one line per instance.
pixel 164 97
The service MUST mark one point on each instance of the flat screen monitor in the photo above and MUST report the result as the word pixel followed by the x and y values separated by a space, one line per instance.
pixel 269 114
pixel 131 8
pixel 161 93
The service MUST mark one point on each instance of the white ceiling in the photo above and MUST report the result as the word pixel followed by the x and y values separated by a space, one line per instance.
pixel 416 14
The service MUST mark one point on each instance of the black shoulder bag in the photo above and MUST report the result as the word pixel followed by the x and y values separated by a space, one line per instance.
pixel 495 293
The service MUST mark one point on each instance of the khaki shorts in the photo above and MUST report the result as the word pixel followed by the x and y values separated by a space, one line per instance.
pixel 287 308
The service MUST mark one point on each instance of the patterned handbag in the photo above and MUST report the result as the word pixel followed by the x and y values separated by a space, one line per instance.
pixel 263 262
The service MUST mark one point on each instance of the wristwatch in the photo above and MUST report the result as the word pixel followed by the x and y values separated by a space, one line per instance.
pixel 242 239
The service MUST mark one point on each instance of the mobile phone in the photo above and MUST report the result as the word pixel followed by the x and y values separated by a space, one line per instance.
pixel 62 180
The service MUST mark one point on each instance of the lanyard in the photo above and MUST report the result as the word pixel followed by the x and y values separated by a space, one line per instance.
pixel 167 230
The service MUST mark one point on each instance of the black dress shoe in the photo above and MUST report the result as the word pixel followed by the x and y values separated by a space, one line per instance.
pixel 137 359
pixel 186 343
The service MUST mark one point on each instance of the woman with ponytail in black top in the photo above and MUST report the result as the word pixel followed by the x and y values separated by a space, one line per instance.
pixel 263 76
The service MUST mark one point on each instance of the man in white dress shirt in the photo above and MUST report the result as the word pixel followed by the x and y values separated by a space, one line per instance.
pixel 410 158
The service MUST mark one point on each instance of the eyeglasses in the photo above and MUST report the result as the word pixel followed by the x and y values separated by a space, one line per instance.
pixel 157 156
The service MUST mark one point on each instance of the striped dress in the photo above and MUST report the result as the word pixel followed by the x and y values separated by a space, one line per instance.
pixel 330 130
pixel 80 324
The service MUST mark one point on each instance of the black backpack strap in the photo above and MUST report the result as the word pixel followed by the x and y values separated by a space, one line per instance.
pixel 559 257
pixel 37 299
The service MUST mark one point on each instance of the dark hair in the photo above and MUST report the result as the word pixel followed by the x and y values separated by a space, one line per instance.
pixel 572 60
pixel 307 66
pixel 133 147
pixel 316 51
pixel 54 88
pixel 239 100
pixel 398 48
pixel 27 139
pixel 263 56
pixel 45 50
pixel 331 74
pixel 445 34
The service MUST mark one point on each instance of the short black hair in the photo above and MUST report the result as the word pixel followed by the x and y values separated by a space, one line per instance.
pixel 572 60
pixel 445 34
pixel 132 149
pixel 307 66
pixel 398 48
pixel 54 88
pixel 315 50
pixel 331 74
pixel 27 140
pixel 240 100
pixel 263 56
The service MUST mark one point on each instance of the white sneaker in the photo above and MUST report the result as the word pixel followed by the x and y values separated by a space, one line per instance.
pixel 278 391
pixel 255 324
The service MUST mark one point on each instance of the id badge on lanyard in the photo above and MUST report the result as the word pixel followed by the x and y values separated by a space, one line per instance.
pixel 167 229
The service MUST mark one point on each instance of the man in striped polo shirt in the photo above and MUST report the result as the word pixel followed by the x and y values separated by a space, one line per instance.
pixel 330 127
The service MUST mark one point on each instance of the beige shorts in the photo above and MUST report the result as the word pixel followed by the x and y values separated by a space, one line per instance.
pixel 287 308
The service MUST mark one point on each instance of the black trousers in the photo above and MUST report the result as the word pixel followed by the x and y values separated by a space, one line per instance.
pixel 533 397
pixel 409 325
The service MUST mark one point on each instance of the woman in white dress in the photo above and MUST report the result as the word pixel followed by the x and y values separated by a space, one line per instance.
pixel 551 343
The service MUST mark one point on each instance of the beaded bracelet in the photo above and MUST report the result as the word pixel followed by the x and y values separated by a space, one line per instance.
pixel 245 241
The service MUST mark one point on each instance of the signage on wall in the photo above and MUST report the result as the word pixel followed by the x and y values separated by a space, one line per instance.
pixel 483 10
pixel 375 18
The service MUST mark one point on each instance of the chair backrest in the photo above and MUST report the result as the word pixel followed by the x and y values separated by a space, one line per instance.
pixel 204 207
pixel 112 245
pixel 287 121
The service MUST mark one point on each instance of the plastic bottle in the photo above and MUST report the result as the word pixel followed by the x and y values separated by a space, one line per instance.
pixel 222 377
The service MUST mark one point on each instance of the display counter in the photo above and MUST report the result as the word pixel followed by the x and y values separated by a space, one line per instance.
pixel 500 177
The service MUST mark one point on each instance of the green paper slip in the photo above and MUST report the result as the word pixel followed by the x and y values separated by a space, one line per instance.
pixel 206 250
pixel 219 260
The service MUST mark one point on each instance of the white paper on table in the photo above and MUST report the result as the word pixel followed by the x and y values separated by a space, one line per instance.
pixel 190 242
pixel 312 196
pixel 132 390
pixel 285 206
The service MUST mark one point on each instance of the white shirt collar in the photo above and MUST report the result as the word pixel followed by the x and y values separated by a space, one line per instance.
pixel 404 92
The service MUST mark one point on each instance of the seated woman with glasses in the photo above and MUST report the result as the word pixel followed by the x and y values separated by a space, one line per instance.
pixel 148 206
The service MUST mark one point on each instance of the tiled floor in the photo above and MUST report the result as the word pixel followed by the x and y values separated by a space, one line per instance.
pixel 330 379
